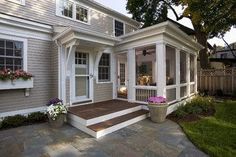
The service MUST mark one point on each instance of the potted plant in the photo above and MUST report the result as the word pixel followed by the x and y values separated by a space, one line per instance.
pixel 158 108
pixel 56 112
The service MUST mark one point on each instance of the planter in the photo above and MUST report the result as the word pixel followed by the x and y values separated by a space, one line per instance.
pixel 58 123
pixel 16 84
pixel 158 112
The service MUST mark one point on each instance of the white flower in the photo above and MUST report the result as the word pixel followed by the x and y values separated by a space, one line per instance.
pixel 55 110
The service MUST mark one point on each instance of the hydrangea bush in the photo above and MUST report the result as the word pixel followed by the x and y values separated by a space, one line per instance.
pixel 56 108
pixel 7 74
pixel 157 100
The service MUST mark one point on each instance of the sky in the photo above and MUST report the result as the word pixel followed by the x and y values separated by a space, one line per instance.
pixel 120 6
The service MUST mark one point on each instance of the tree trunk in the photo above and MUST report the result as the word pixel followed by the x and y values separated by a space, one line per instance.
pixel 203 56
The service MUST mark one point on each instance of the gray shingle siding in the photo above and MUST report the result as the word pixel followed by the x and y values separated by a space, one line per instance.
pixel 44 11
pixel 39 65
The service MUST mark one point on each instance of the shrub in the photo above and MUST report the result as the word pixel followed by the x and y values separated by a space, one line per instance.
pixel 196 106
pixel 14 121
pixel 37 117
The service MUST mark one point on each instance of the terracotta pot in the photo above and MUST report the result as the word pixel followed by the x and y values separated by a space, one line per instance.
pixel 58 123
pixel 158 112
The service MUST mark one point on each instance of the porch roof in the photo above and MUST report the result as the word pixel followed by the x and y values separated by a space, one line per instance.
pixel 71 33
pixel 165 32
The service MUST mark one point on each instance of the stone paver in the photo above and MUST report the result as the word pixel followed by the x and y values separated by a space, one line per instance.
pixel 143 139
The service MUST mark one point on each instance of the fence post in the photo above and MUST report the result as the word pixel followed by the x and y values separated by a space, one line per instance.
pixel 233 81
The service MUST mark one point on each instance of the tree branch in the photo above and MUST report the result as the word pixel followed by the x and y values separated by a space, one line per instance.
pixel 175 13
pixel 228 47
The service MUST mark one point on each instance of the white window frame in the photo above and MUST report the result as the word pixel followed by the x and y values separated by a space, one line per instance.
pixel 114 26
pixel 58 13
pixel 25 47
pixel 20 2
pixel 110 66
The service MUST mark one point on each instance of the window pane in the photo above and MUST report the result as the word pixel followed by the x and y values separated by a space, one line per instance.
pixel 171 94
pixel 9 61
pixel 2 43
pixel 145 67
pixel 170 66
pixel 9 44
pixel 183 62
pixel 191 68
pixel 119 28
pixel 104 68
pixel 9 52
pixel 2 51
pixel 81 14
pixel 183 91
pixel 1 60
pixel 66 8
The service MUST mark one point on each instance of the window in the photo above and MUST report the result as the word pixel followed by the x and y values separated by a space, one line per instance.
pixel 170 66
pixel 73 10
pixel 145 67
pixel 224 55
pixel 122 74
pixel 81 14
pixel 11 54
pixel 183 67
pixel 22 2
pixel 119 28
pixel 66 8
pixel 192 68
pixel 104 68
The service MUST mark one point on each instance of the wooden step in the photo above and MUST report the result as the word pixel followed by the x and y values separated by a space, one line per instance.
pixel 115 121
pixel 100 109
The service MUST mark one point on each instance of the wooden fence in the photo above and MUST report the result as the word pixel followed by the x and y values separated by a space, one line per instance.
pixel 213 80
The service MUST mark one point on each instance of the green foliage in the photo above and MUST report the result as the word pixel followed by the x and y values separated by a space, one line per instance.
pixel 14 121
pixel 36 117
pixel 197 105
pixel 20 120
pixel 215 135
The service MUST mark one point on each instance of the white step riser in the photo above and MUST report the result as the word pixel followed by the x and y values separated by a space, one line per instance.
pixel 120 126
pixel 103 118
pixel 82 127
pixel 108 130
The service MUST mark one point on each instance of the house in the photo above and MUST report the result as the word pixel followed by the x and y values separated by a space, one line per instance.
pixel 86 53
pixel 224 57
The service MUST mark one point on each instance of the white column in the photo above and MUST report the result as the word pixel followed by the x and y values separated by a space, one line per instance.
pixel 195 73
pixel 161 68
pixel 177 51
pixel 131 73
pixel 188 73
pixel 63 74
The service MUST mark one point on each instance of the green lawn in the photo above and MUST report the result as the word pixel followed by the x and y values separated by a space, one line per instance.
pixel 215 135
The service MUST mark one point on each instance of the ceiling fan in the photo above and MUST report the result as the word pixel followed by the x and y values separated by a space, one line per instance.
pixel 147 52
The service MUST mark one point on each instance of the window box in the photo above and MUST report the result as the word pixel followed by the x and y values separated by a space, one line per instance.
pixel 16 84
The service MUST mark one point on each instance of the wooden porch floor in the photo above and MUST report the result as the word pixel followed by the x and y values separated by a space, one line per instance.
pixel 94 110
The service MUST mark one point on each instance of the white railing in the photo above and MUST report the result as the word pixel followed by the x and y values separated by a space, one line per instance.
pixel 144 92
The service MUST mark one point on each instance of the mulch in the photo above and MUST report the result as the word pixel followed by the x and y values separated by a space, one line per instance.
pixel 191 117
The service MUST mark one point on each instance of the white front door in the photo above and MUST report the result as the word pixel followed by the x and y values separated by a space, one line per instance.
pixel 82 77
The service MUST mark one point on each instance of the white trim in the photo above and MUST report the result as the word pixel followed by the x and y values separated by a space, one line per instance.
pixel 25 49
pixel 23 112
pixel 16 84
pixel 75 3
pixel 20 2
pixel 114 27
pixel 14 21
